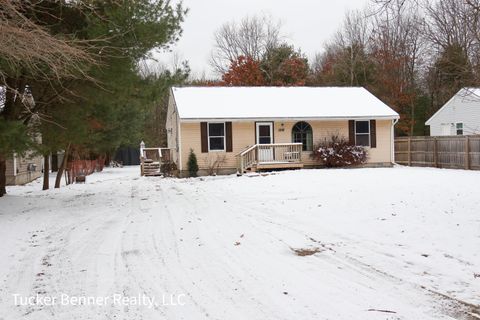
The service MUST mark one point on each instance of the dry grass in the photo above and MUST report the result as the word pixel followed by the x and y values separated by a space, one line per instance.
pixel 302 252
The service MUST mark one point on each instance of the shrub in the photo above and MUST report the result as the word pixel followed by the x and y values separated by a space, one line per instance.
pixel 192 164
pixel 338 152
pixel 169 168
pixel 214 163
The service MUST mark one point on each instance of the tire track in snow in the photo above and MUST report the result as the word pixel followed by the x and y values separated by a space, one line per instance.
pixel 460 308
pixel 216 231
pixel 444 303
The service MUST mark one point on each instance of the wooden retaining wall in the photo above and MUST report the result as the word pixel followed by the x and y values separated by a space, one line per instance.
pixel 456 152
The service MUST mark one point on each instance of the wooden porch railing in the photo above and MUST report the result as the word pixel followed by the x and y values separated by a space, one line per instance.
pixel 154 154
pixel 248 158
pixel 269 154
pixel 151 160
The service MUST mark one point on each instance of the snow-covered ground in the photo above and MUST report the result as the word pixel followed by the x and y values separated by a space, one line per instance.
pixel 399 243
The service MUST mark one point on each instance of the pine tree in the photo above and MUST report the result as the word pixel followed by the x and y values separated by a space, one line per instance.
pixel 451 71
pixel 105 91
pixel 284 66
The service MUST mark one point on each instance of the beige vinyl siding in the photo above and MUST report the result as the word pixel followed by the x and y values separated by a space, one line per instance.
pixel 321 130
pixel 243 136
pixel 383 152
pixel 10 166
pixel 325 129
pixel 22 175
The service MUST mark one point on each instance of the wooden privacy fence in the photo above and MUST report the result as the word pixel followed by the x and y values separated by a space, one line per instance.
pixel 77 168
pixel 455 152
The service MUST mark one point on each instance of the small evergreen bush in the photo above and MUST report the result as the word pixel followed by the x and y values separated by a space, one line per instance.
pixel 192 164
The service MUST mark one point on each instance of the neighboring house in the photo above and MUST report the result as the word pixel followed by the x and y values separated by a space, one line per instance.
pixel 21 170
pixel 234 129
pixel 459 116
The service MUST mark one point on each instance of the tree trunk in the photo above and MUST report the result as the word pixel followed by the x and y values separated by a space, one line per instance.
pixel 58 179
pixel 54 161
pixel 3 177
pixel 107 158
pixel 412 124
pixel 46 172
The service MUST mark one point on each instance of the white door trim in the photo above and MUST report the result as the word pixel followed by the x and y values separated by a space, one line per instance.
pixel 257 124
pixel 265 154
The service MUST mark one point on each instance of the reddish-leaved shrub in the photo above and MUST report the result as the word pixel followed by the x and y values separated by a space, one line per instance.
pixel 338 152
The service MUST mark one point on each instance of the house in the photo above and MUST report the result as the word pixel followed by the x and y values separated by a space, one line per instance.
pixel 234 129
pixel 21 170
pixel 459 116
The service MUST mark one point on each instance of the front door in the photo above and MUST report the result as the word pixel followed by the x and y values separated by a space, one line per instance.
pixel 265 136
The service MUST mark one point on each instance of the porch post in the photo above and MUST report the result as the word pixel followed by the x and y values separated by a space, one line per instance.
pixel 142 146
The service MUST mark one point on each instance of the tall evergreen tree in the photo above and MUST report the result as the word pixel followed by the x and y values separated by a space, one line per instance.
pixel 284 66
pixel 109 91
pixel 451 71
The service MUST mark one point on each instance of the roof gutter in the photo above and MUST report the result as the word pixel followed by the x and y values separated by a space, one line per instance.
pixel 396 117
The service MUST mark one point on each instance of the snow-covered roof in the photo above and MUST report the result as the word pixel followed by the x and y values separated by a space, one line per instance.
pixel 465 94
pixel 475 91
pixel 279 103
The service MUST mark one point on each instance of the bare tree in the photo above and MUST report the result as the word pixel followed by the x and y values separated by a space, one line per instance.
pixel 452 22
pixel 452 31
pixel 382 5
pixel 353 38
pixel 345 60
pixel 27 45
pixel 251 37
pixel 397 45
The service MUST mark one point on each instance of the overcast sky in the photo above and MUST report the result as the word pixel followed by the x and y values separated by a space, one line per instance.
pixel 306 23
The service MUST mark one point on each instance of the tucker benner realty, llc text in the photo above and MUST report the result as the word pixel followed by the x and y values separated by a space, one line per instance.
pixel 112 300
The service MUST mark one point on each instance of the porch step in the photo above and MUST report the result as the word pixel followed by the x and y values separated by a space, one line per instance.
pixel 278 165
pixel 151 169
pixel 151 163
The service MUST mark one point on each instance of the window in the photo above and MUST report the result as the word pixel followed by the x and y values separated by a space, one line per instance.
pixel 216 136
pixel 362 133
pixel 302 133
pixel 459 127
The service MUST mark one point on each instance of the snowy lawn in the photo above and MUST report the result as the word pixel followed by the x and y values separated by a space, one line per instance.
pixel 399 243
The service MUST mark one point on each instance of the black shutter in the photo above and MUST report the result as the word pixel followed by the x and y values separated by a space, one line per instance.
pixel 228 137
pixel 373 134
pixel 351 132
pixel 204 136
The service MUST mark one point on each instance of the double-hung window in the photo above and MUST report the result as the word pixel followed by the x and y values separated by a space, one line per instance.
pixel 216 136
pixel 459 128
pixel 362 133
